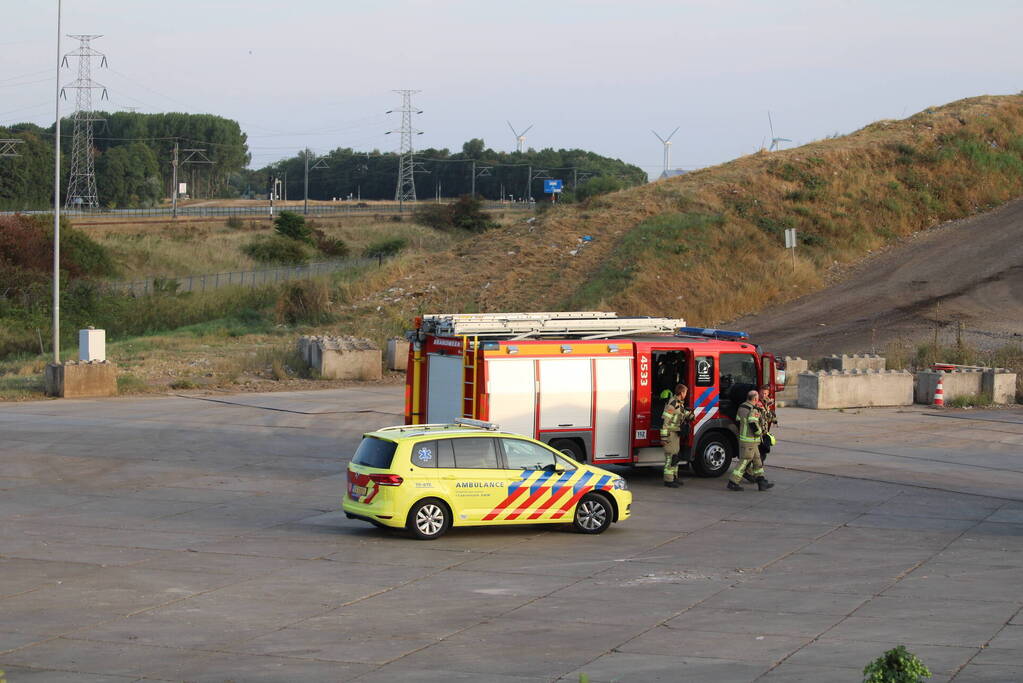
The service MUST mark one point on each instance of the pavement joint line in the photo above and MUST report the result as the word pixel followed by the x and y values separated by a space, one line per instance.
pixel 287 410
pixel 899 483
pixel 973 418
pixel 986 645
pixel 907 457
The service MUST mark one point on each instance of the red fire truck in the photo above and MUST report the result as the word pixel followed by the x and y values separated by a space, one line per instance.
pixel 590 384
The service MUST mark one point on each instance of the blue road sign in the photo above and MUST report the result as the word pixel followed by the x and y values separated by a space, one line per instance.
pixel 551 186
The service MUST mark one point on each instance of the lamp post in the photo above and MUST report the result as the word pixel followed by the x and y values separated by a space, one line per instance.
pixel 56 207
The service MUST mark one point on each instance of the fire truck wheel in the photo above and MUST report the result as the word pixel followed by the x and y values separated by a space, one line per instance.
pixel 713 455
pixel 593 514
pixel 570 448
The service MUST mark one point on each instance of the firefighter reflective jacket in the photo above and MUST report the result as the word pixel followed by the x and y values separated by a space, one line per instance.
pixel 674 415
pixel 748 418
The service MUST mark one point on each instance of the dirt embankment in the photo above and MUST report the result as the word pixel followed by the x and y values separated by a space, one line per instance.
pixel 969 270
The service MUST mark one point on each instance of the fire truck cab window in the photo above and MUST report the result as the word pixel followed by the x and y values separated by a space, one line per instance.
pixel 738 374
pixel 669 370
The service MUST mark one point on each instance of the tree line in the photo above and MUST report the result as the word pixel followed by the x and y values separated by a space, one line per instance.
pixel 133 154
pixel 373 175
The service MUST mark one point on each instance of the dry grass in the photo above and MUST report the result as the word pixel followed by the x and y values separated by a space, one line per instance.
pixel 845 196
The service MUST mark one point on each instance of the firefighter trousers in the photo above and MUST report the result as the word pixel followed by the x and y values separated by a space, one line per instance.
pixel 671 449
pixel 749 458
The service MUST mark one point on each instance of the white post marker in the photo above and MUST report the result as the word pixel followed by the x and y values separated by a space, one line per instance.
pixel 790 243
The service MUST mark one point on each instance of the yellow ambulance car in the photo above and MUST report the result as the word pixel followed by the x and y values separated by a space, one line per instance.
pixel 428 478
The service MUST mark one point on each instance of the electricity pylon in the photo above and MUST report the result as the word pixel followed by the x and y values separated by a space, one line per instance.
pixel 406 189
pixel 81 191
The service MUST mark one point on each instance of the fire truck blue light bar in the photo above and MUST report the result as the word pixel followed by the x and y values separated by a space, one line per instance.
pixel 711 332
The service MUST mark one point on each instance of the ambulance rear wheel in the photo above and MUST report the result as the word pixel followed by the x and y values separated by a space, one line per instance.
pixel 428 519
pixel 713 455
pixel 571 448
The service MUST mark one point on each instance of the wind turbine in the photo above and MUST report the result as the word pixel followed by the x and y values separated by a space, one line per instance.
pixel 520 138
pixel 667 147
pixel 774 140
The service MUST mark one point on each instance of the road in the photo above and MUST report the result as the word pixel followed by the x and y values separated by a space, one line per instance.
pixel 969 270
pixel 200 539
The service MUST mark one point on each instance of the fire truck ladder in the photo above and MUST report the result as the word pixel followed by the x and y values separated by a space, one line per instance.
pixel 518 326
pixel 469 376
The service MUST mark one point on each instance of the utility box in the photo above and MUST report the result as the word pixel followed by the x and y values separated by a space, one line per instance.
pixel 92 345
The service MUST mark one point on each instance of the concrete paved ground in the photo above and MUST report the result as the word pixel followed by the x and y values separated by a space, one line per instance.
pixel 188 539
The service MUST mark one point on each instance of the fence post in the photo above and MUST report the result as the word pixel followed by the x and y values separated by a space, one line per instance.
pixel 204 283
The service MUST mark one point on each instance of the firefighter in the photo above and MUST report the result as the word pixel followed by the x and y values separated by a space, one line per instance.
pixel 750 432
pixel 673 419
pixel 768 417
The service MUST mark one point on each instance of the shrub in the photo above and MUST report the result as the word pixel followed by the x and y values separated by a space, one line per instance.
pixel 598 186
pixel 897 665
pixel 26 243
pixel 436 216
pixel 235 223
pixel 331 246
pixel 384 248
pixel 277 249
pixel 467 213
pixel 292 225
pixel 306 301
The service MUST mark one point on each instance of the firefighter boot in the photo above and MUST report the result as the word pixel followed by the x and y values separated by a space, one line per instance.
pixel 749 477
pixel 673 484
pixel 732 486
pixel 763 484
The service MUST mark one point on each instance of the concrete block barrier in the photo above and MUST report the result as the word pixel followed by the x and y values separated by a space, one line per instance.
pixel 996 383
pixel 397 354
pixel 855 389
pixel 794 365
pixel 341 357
pixel 856 361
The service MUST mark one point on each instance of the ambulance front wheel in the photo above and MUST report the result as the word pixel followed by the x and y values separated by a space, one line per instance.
pixel 593 514
pixel 714 454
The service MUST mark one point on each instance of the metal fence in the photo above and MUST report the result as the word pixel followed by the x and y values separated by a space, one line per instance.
pixel 263 210
pixel 246 278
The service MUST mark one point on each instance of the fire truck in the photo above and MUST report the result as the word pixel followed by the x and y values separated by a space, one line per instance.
pixel 590 384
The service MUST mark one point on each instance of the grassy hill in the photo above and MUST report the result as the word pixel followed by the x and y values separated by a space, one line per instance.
pixel 708 245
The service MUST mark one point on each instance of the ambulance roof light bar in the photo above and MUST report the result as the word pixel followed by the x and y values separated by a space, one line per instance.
pixel 729 335
pixel 481 424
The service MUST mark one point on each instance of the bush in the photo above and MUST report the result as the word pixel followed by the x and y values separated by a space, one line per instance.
pixel 26 243
pixel 467 213
pixel 331 246
pixel 597 186
pixel 277 249
pixel 898 665
pixel 235 223
pixel 436 216
pixel 292 225
pixel 306 301
pixel 385 248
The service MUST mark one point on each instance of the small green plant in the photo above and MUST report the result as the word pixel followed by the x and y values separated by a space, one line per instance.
pixel 897 665
pixel 292 225
pixel 330 246
pixel 130 384
pixel 970 401
pixel 235 223
pixel 183 384
pixel 385 248
pixel 166 285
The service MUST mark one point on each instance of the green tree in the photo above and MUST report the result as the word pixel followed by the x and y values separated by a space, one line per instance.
pixel 129 176
pixel 293 225
pixel 385 248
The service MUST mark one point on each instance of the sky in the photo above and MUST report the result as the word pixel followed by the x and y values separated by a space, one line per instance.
pixel 591 74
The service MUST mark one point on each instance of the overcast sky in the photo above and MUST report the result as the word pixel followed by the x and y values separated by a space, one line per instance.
pixel 594 74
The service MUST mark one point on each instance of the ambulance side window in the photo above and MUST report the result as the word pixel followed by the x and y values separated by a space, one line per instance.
pixel 523 455
pixel 445 454
pixel 424 454
pixel 475 453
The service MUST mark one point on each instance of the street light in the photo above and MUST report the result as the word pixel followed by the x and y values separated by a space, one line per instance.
pixel 56 207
